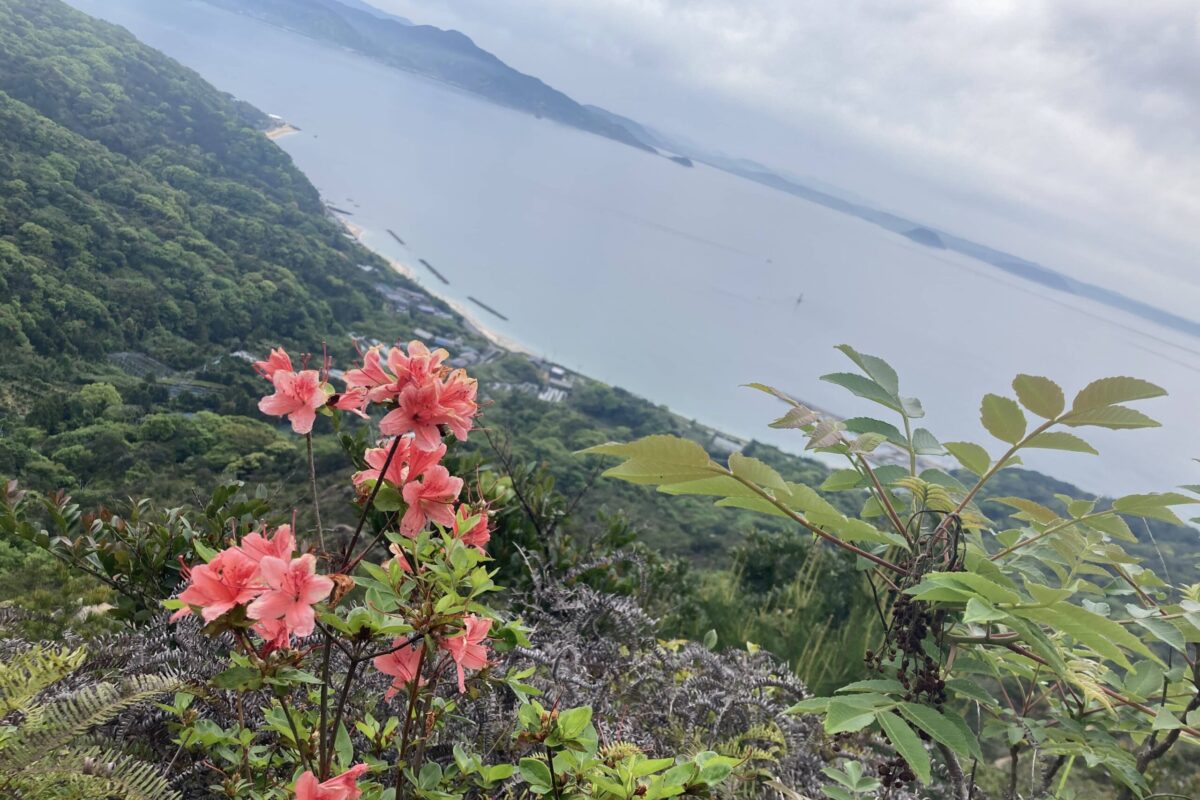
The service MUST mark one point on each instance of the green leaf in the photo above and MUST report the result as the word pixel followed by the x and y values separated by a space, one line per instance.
pixel 755 471
pixel 1061 440
pixel 843 717
pixel 982 611
pixel 574 721
pixel 973 457
pixel 1002 418
pixel 771 390
pixel 1153 506
pixel 1112 525
pixel 943 729
pixel 826 433
pixel 842 480
pixel 1164 631
pixel 388 498
pixel 870 425
pixel 1110 391
pixel 865 388
pixel 658 459
pixel 880 685
pixel 985 587
pixel 1028 508
pixel 926 444
pixel 536 773
pixel 1111 417
pixel 796 417
pixel 1102 635
pixel 1040 395
pixel 907 744
pixel 343 747
pixel 1164 720
pixel 876 368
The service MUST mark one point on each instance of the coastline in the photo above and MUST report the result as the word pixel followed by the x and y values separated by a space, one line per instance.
pixel 279 131
pixel 462 309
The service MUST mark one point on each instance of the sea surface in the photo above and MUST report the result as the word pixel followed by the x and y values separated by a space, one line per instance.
pixel 679 284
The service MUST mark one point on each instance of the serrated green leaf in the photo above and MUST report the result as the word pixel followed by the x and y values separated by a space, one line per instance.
pixel 798 417
pixel 1040 395
pixel 842 480
pixel 842 717
pixel 1164 720
pixel 771 390
pixel 871 425
pixel 1060 440
pixel 926 444
pixel 1111 417
pixel 826 433
pixel 865 388
pixel 942 729
pixel 876 368
pixel 1112 525
pixel 979 610
pixel 907 744
pixel 1105 637
pixel 1028 508
pixel 755 471
pixel 1002 418
pixel 1110 391
pixel 973 457
pixel 1153 506
pixel 1164 631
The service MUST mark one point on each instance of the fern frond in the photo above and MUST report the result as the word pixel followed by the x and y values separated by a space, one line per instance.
pixel 65 720
pixel 97 773
pixel 26 674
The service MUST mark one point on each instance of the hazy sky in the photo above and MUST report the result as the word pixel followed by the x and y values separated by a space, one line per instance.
pixel 1062 130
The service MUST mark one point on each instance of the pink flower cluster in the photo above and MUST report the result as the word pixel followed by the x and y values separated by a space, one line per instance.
pixel 343 787
pixel 277 589
pixel 468 650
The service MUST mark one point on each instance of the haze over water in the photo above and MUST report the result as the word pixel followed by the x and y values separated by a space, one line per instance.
pixel 677 284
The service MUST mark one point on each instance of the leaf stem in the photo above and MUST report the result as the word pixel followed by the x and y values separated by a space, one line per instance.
pixel 829 537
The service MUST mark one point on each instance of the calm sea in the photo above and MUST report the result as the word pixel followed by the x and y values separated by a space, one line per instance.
pixel 678 284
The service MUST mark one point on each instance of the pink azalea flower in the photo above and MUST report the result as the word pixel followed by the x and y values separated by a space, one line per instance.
pixel 430 498
pixel 479 534
pixel 229 580
pixel 420 412
pixel 274 633
pixel 291 590
pixel 278 360
pixel 399 557
pixel 343 787
pixel 354 400
pixel 458 398
pixel 407 464
pixel 420 365
pixel 255 546
pixel 467 648
pixel 371 377
pixel 401 664
pixel 298 395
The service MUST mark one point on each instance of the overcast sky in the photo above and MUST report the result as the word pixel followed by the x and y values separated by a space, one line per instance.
pixel 1061 130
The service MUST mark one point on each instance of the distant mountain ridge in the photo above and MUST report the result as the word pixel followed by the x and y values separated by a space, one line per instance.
pixel 444 55
pixel 454 58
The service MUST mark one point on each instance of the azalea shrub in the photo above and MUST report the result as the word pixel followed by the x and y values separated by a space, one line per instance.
pixel 1044 647
pixel 347 662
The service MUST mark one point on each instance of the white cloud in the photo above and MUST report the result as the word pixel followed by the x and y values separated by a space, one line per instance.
pixel 1086 112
